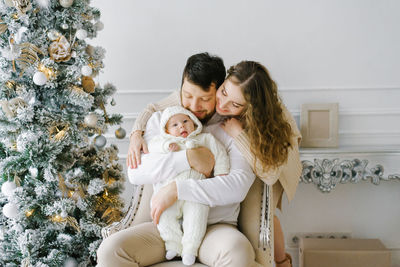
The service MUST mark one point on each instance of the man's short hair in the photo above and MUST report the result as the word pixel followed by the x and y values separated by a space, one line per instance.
pixel 203 70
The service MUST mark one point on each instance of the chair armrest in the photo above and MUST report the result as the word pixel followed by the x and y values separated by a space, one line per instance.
pixel 127 220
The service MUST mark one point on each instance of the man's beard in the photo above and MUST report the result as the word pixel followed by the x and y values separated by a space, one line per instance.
pixel 207 117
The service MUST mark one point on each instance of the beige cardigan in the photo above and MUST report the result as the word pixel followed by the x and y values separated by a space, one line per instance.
pixel 288 174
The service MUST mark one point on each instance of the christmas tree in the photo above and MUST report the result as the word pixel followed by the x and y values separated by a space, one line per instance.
pixel 59 183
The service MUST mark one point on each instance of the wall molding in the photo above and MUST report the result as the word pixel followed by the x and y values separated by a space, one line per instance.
pixel 281 89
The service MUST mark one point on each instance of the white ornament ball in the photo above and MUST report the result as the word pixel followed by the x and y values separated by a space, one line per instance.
pixel 91 120
pixel 10 210
pixel 33 171
pixel 70 262
pixel 1 233
pixel 53 35
pixel 73 54
pixel 66 3
pixel 99 26
pixel 64 26
pixel 86 70
pixel 7 188
pixel 39 78
pixel 81 34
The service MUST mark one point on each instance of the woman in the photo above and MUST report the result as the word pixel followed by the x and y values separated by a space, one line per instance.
pixel 264 132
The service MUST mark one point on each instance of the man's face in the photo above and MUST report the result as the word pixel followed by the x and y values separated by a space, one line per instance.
pixel 199 102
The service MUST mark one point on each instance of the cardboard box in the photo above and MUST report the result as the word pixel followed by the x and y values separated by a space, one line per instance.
pixel 343 253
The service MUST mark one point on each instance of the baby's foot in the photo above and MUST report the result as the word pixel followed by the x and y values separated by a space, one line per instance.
pixel 188 259
pixel 170 254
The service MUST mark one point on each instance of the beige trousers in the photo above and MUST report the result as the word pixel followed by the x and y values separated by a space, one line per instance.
pixel 141 245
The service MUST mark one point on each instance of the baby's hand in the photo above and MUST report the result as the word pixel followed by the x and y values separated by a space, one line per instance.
pixel 173 147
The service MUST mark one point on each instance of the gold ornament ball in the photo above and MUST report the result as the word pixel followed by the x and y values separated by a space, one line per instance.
pixel 120 133
pixel 88 84
pixel 91 120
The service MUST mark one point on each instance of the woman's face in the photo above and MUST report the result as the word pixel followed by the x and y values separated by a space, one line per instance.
pixel 230 99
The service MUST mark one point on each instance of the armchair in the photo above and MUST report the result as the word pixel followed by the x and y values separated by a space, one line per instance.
pixel 255 220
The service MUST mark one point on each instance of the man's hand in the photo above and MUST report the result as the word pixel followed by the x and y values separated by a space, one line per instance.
pixel 201 159
pixel 136 145
pixel 164 199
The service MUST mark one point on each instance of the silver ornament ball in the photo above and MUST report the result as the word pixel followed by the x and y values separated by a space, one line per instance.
pixel 91 120
pixel 113 103
pixel 99 25
pixel 120 133
pixel 100 141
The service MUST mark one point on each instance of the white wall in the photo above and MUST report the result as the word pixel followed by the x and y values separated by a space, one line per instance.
pixel 317 51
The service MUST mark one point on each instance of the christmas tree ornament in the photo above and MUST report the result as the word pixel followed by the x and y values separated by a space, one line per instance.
pixel 22 6
pixel 3 26
pixel 47 71
pixel 9 3
pixel 19 35
pixel 88 84
pixel 11 84
pixel 90 50
pixel 66 3
pixel 60 50
pixel 113 103
pixel 64 26
pixel 99 26
pixel 58 132
pixel 28 56
pixel 8 188
pixel 10 210
pixel 34 172
pixel 81 34
pixel 91 120
pixel 86 70
pixel 70 262
pixel 39 78
pixel 100 141
pixel 2 232
pixel 53 35
pixel 120 133
pixel 43 3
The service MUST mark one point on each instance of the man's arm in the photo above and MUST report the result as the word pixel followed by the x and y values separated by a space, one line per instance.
pixel 220 190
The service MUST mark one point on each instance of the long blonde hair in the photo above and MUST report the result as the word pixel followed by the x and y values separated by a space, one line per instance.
pixel 263 119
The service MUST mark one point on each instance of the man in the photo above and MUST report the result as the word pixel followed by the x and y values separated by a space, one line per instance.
pixel 223 244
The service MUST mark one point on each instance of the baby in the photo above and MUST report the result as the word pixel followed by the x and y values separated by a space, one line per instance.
pixel 180 129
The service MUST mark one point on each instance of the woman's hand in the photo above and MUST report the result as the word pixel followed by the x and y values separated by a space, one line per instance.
pixel 136 145
pixel 232 126
pixel 164 199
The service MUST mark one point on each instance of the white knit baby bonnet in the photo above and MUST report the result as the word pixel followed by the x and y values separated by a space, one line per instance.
pixel 169 112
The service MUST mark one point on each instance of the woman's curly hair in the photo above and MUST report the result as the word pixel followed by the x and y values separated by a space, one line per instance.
pixel 262 118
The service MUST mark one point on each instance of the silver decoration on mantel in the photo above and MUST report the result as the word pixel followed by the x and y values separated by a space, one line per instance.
pixel 326 174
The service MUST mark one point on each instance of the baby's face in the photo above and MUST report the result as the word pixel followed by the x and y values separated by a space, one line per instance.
pixel 179 125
